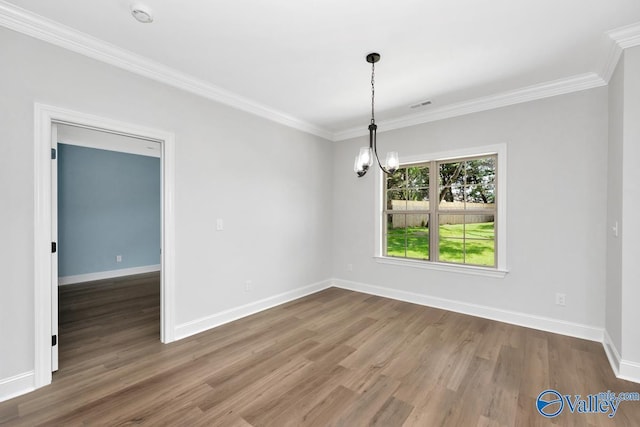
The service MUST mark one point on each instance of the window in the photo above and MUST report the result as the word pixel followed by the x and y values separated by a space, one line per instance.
pixel 444 212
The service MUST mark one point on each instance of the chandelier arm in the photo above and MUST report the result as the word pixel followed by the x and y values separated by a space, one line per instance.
pixel 373 141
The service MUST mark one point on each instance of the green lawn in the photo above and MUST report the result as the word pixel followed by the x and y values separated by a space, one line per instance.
pixel 471 245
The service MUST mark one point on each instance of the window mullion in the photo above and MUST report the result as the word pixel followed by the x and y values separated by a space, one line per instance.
pixel 433 206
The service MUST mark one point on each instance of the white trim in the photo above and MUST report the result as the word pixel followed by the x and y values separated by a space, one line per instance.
pixel 629 371
pixel 516 96
pixel 626 37
pixel 44 116
pixel 441 266
pixel 612 353
pixel 507 316
pixel 619 39
pixel 39 27
pixel 16 385
pixel 611 61
pixel 112 274
pixel 623 369
pixel 200 325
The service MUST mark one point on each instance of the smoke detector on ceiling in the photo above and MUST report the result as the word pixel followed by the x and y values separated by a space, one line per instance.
pixel 141 13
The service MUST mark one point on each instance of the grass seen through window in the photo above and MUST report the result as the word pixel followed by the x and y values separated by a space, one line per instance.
pixel 459 243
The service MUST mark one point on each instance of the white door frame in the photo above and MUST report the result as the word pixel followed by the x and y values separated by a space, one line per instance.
pixel 44 116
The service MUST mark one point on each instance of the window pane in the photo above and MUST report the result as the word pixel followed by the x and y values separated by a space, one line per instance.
pixel 480 196
pixel 479 227
pixel 452 197
pixel 481 171
pixel 408 235
pixel 451 174
pixel 397 200
pixel 398 179
pixel 451 226
pixel 418 177
pixel 451 238
pixel 480 252
pixel 396 235
pixel 467 239
pixel 451 250
pixel 418 200
pixel 418 236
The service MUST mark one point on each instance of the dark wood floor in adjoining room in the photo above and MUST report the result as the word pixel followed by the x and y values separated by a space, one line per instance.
pixel 333 358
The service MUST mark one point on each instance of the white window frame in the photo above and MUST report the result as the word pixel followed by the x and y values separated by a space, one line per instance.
pixel 500 270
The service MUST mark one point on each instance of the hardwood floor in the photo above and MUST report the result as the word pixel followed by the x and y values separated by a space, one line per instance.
pixel 335 358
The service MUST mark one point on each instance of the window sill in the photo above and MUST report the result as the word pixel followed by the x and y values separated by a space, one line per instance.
pixel 440 266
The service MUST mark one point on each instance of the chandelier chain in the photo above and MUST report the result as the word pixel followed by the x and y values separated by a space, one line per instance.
pixel 373 93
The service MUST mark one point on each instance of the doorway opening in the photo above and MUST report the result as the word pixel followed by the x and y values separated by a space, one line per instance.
pixel 107 227
pixel 45 261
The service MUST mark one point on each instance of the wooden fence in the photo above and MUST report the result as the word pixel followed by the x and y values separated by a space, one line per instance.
pixel 421 220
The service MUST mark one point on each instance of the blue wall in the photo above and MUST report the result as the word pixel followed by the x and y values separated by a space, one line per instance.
pixel 108 205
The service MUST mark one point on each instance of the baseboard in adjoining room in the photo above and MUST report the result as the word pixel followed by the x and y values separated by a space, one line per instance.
pixel 16 385
pixel 209 322
pixel 112 274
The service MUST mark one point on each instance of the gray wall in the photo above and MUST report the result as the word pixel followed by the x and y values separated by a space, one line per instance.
pixel 108 205
pixel 228 164
pixel 556 208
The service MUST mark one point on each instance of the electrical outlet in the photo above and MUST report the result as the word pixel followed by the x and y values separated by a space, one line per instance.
pixel 118 258
pixel 248 286
pixel 561 299
pixel 219 224
pixel 349 267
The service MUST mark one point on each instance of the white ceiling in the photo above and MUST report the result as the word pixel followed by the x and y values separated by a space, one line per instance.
pixel 305 59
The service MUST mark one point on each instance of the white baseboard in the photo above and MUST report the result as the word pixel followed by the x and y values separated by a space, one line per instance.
pixel 624 369
pixel 15 386
pixel 200 325
pixel 101 275
pixel 612 353
pixel 629 371
pixel 521 319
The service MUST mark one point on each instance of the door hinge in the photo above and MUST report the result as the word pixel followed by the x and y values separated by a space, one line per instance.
pixel 54 247
pixel 54 340
pixel 53 154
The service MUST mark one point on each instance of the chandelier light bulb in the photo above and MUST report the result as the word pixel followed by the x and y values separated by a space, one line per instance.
pixel 393 162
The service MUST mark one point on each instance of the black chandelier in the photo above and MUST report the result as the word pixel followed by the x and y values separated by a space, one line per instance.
pixel 364 159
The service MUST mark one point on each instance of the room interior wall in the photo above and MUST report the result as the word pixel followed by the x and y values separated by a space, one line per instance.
pixel 229 165
pixel 108 207
pixel 556 186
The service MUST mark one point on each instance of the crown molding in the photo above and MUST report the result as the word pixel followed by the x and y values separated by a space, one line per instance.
pixel 619 40
pixel 526 94
pixel 627 36
pixel 25 22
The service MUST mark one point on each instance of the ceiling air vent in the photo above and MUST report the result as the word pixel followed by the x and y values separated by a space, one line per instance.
pixel 421 104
